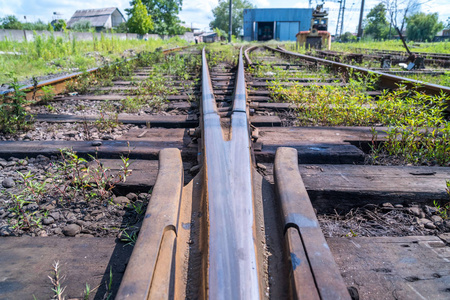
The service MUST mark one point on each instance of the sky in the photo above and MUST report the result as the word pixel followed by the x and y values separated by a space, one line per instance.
pixel 197 13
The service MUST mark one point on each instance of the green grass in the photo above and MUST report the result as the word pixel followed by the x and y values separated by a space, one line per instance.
pixel 53 55
pixel 396 45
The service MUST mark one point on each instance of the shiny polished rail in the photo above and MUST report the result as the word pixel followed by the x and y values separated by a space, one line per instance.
pixel 232 270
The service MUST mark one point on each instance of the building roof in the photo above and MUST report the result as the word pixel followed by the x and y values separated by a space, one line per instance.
pixel 208 34
pixel 97 17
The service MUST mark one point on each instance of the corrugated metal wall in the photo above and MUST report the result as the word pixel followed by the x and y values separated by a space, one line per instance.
pixel 289 21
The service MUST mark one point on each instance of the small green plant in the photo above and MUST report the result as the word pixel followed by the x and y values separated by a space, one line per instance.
pixel 50 107
pixel 48 93
pixel 34 189
pixel 444 210
pixel 351 234
pixel 107 123
pixel 87 292
pixel 138 207
pixel 57 281
pixel 79 178
pixel 129 238
pixel 32 192
pixel 108 294
pixel 13 116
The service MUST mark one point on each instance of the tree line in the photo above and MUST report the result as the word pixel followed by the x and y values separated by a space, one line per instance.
pixel 384 19
pixel 144 16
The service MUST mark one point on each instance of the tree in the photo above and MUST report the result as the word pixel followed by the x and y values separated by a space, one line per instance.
pixel 11 22
pixel 122 28
pixel 220 33
pixel 164 14
pixel 59 25
pixel 139 22
pixel 81 26
pixel 221 15
pixel 348 37
pixel 399 10
pixel 376 23
pixel 423 26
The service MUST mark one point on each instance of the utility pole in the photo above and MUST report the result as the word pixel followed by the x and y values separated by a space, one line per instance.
pixel 230 25
pixel 360 21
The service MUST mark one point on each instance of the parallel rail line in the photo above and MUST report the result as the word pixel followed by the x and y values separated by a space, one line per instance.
pixel 386 80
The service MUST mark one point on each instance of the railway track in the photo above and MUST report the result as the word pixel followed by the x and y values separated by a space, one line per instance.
pixel 243 189
pixel 433 60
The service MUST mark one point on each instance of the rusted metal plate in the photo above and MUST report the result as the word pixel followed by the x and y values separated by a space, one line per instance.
pixel 151 268
pixel 298 213
pixel 232 272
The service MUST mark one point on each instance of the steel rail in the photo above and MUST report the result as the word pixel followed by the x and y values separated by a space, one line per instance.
pixel 62 79
pixel 387 80
pixel 232 271
pixel 151 269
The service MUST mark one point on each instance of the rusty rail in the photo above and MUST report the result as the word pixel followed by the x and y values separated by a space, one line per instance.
pixel 314 273
pixel 59 83
pixel 386 80
pixel 150 272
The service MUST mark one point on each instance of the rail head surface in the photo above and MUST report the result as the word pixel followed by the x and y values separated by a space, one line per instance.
pixel 232 271
pixel 150 270
pixel 388 80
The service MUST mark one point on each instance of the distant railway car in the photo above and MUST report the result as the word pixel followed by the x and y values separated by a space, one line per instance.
pixel 317 36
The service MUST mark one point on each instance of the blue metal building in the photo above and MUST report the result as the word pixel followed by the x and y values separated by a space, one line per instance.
pixel 263 24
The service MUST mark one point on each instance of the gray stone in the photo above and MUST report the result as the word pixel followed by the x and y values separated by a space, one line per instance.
pixel 96 143
pixel 57 231
pixel 48 221
pixel 447 225
pixel 194 169
pixel 31 207
pixel 426 223
pixel 387 205
pixel 107 137
pixel 132 196
pixel 398 206
pixel 430 210
pixel 144 196
pixel 414 211
pixel 5 231
pixel 430 225
pixel 71 133
pixel 8 183
pixel 84 235
pixel 42 233
pixel 445 237
pixel 71 230
pixel 55 215
pixel 261 166
pixel 121 200
pixel 11 163
pixel 437 219
pixel 42 158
